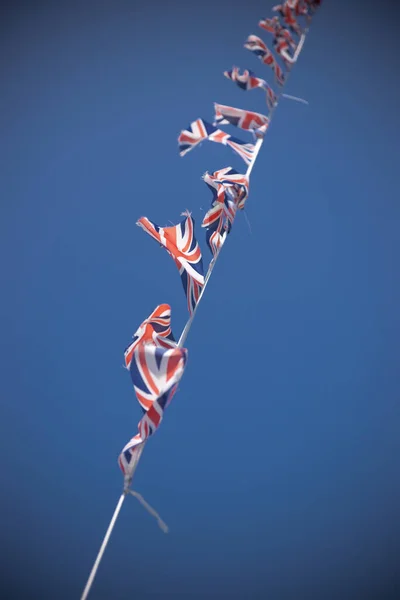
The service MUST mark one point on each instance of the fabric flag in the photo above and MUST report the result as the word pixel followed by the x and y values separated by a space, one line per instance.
pixel 218 221
pixel 244 119
pixel 288 17
pixel 180 242
pixel 299 6
pixel 270 25
pixel 156 330
pixel 229 181
pixel 282 48
pixel 256 45
pixel 200 130
pixel 248 81
pixel 215 237
pixel 274 26
pixel 229 189
pixel 155 373
pixel 221 211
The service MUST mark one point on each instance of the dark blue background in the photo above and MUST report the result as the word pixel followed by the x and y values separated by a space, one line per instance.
pixel 277 464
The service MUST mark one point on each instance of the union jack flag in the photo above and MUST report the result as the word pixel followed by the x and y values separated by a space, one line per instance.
pixel 288 17
pixel 256 45
pixel 229 189
pixel 156 330
pixel 299 6
pixel 272 99
pixel 155 373
pixel 270 25
pixel 229 181
pixel 223 209
pixel 180 242
pixel 274 26
pixel 245 119
pixel 223 212
pixel 246 81
pixel 282 48
pixel 215 237
pixel 200 130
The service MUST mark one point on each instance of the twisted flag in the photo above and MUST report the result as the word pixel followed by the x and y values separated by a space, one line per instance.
pixel 287 13
pixel 229 181
pixel 282 48
pixel 274 26
pixel 155 373
pixel 219 219
pixel 229 190
pixel 156 329
pixel 260 49
pixel 248 81
pixel 180 242
pixel 201 130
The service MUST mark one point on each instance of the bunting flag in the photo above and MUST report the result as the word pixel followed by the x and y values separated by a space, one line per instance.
pixel 299 7
pixel 244 119
pixel 248 81
pixel 180 242
pixel 155 373
pixel 282 48
pixel 215 238
pixel 271 25
pixel 275 27
pixel 218 221
pixel 156 330
pixel 229 190
pixel 221 211
pixel 287 13
pixel 201 130
pixel 259 48
pixel 230 181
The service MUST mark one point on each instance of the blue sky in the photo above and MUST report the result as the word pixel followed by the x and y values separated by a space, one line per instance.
pixel 277 464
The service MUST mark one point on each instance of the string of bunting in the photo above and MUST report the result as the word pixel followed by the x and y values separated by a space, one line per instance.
pixel 155 360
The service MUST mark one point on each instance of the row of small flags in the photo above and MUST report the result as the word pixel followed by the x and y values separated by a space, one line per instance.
pixel 154 359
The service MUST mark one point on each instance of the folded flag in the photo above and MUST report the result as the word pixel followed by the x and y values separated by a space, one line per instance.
pixel 275 27
pixel 248 81
pixel 282 48
pixel 156 330
pixel 288 16
pixel 229 181
pixel 230 190
pixel 156 373
pixel 260 49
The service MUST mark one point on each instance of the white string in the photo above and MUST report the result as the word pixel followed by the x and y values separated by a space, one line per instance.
pixel 247 221
pixel 181 341
pixel 103 547
pixel 150 510
pixel 296 98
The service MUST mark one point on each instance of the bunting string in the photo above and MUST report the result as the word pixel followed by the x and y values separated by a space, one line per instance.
pixel 154 359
